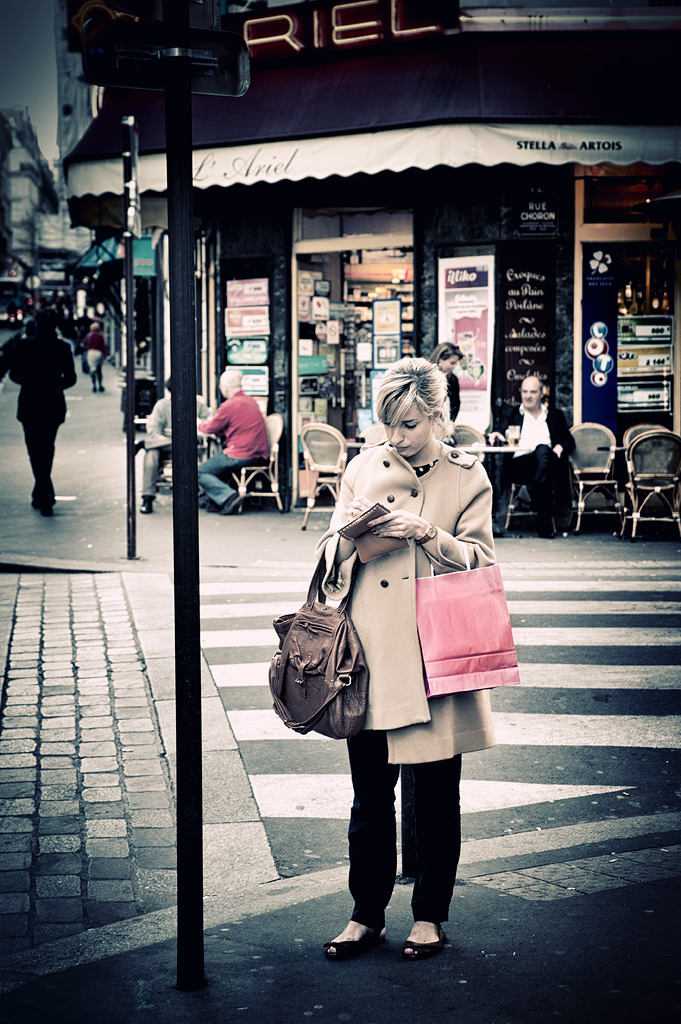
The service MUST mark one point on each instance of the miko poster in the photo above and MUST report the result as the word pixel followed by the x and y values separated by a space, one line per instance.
pixel 466 319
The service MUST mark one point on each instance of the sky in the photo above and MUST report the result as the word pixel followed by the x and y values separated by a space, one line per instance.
pixel 28 66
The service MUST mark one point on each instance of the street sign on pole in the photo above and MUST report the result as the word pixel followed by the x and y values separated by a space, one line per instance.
pixel 130 55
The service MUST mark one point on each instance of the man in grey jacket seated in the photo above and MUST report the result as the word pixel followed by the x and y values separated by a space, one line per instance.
pixel 158 445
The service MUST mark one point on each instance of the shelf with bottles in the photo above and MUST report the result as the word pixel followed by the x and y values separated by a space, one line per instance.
pixel 645 284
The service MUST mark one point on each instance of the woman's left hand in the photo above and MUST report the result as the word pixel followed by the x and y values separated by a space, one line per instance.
pixel 400 523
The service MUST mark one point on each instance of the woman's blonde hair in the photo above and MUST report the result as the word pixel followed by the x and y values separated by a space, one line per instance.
pixel 412 382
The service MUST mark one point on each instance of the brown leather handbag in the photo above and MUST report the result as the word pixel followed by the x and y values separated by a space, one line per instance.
pixel 319 678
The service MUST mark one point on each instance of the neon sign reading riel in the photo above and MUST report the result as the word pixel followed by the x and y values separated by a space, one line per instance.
pixel 338 26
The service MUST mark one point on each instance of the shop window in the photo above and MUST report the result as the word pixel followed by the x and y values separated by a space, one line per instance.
pixel 623 198
pixel 344 223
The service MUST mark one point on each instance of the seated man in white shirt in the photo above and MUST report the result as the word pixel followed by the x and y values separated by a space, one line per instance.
pixel 545 432
pixel 158 445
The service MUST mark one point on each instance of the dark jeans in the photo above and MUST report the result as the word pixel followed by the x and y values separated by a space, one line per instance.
pixel 40 440
pixel 217 470
pixel 539 471
pixel 373 835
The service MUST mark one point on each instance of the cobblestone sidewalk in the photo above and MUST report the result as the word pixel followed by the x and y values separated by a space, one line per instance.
pixel 82 781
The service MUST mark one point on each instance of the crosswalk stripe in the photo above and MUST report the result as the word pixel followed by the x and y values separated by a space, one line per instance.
pixel 273 587
pixel 528 636
pixel 330 796
pixel 589 586
pixel 546 676
pixel 521 729
pixel 274 608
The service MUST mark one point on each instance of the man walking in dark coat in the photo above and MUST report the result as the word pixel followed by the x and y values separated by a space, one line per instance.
pixel 544 469
pixel 42 364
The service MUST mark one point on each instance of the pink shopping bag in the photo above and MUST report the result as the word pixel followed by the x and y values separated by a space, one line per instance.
pixel 465 632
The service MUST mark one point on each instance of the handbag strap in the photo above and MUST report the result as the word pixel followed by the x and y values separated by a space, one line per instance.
pixel 315 592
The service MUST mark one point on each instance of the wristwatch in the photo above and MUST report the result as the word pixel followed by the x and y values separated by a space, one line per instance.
pixel 432 532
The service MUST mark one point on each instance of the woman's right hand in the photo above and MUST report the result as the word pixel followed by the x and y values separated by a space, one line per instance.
pixel 357 506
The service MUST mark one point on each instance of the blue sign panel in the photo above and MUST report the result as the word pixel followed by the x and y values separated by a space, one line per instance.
pixel 599 335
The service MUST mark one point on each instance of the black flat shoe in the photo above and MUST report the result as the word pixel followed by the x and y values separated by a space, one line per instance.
pixel 424 950
pixel 347 950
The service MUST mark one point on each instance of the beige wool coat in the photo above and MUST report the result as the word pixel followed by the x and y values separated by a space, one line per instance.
pixel 456 497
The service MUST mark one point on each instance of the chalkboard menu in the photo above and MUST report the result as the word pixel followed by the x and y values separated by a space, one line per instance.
pixel 527 305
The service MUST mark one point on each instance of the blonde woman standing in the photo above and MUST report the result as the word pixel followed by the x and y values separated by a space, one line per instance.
pixel 440 502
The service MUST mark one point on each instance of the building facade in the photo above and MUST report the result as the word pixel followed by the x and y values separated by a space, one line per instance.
pixel 403 174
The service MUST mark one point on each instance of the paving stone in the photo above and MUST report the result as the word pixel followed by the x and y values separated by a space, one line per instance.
pixel 107 749
pixel 56 749
pixel 59 735
pixel 16 790
pixel 151 819
pixel 104 811
pixel 16 707
pixel 13 925
pixel 95 700
pixel 142 837
pixel 106 913
pixel 51 932
pixel 109 867
pixel 157 801
pixel 14 843
pixel 142 751
pixel 15 825
pixel 58 826
pixel 14 881
pixel 102 794
pixel 59 844
pixel 157 857
pixel 20 728
pixel 17 761
pixel 9 746
pixel 57 886
pixel 14 903
pixel 99 764
pixel 58 700
pixel 17 861
pixel 123 703
pixel 142 767
pixel 18 775
pixel 66 909
pixel 59 864
pixel 63 792
pixel 145 784
pixel 110 891
pixel 101 779
pixel 16 807
pixel 99 734
pixel 107 848
pixel 59 777
pixel 107 829
pixel 57 808
pixel 157 888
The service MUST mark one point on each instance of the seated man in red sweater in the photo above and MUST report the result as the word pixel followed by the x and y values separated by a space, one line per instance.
pixel 244 443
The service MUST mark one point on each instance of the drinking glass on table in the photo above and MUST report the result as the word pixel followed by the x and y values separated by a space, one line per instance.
pixel 513 435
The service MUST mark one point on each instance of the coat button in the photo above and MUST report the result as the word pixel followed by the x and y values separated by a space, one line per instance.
pixel 453 455
pixel 414 493
pixel 386 464
pixel 391 497
pixel 384 583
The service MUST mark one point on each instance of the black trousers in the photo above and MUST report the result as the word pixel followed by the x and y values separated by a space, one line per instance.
pixel 539 472
pixel 40 440
pixel 373 834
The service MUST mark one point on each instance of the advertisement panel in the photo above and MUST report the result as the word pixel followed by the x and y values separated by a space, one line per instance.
pixel 466 319
pixel 599 334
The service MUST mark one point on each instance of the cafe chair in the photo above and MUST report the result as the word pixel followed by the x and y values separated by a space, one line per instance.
pixel 464 436
pixel 518 504
pixel 375 434
pixel 654 484
pixel 326 453
pixel 640 428
pixel 263 481
pixel 593 470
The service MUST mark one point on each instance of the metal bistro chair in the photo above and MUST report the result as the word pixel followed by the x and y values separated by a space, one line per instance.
pixel 593 470
pixel 252 481
pixel 326 453
pixel 654 468
pixel 463 435
pixel 640 428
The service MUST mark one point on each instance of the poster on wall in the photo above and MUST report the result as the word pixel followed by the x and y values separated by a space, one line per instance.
pixel 251 292
pixel 466 319
pixel 527 301
pixel 599 334
pixel 247 351
pixel 387 316
pixel 243 320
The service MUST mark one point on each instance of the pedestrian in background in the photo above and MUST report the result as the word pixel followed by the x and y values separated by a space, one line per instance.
pixel 95 353
pixel 42 364
pixel 446 357
pixel 440 501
